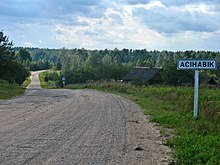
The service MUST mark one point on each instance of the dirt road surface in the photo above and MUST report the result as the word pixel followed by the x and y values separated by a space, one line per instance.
pixel 62 127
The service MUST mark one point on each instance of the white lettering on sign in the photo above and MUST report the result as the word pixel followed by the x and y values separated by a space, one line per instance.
pixel 185 64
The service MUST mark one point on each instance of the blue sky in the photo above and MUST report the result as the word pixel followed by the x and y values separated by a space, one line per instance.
pixel 99 24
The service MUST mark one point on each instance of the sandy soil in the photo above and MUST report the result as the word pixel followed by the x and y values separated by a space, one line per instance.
pixel 76 127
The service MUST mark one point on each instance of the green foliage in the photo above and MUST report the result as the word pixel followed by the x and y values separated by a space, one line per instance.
pixel 80 75
pixel 101 72
pixel 10 90
pixel 172 76
pixel 14 72
pixel 26 82
pixel 50 79
pixel 80 65
pixel 58 65
pixel 24 55
pixel 40 59
pixel 196 149
pixel 10 69
pixel 39 65
pixel 115 63
pixel 6 54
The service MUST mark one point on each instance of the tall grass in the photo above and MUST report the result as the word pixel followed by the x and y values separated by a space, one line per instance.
pixel 52 77
pixel 10 90
pixel 194 142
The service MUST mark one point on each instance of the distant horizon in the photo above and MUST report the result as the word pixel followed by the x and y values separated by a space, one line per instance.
pixel 98 25
pixel 14 47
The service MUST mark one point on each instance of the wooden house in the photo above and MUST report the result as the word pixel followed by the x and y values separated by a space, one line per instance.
pixel 144 76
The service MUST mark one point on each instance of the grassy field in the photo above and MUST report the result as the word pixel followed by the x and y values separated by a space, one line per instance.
pixel 193 142
pixel 8 91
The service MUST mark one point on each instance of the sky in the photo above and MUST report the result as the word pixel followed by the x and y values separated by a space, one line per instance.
pixel 107 24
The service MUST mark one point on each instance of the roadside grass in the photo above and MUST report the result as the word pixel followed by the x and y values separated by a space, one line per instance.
pixel 49 84
pixel 193 142
pixel 10 90
pixel 26 82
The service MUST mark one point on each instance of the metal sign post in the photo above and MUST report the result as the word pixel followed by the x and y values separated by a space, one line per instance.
pixel 198 64
pixel 63 79
pixel 196 94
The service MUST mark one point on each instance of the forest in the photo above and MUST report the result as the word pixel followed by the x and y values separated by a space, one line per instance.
pixel 82 65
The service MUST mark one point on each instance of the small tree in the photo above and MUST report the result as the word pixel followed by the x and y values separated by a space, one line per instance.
pixel 10 69
pixel 6 53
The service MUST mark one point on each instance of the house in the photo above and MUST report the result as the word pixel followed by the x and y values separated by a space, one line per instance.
pixel 144 76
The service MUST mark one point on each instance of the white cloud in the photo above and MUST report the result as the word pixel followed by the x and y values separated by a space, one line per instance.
pixel 130 32
pixel 197 8
pixel 173 19
pixel 153 4
pixel 155 24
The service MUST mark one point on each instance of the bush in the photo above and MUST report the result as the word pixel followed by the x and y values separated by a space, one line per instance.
pixel 14 72
pixel 50 79
pixel 172 76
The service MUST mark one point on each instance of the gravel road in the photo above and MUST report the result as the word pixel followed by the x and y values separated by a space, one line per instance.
pixel 61 127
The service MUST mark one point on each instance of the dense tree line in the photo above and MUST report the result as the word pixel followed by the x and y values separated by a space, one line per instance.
pixel 81 65
pixel 35 58
pixel 11 69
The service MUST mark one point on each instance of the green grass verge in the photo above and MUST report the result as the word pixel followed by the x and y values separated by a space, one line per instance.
pixel 26 82
pixel 194 142
pixel 49 84
pixel 8 90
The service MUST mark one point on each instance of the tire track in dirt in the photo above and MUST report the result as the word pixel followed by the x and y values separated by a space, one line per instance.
pixel 76 127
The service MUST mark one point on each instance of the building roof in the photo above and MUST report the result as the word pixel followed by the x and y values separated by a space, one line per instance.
pixel 142 73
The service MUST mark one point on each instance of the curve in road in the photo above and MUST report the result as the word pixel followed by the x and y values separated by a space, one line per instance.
pixel 60 126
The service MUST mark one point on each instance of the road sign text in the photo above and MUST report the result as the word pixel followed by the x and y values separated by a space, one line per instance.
pixel 196 64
